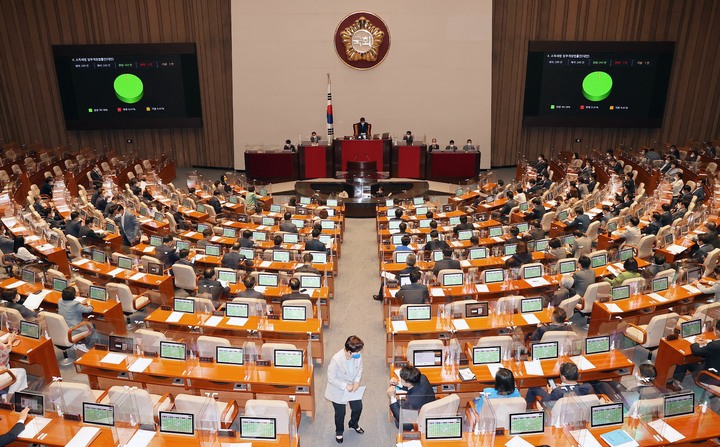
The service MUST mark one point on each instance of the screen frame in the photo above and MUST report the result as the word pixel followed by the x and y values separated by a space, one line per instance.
pixel 456 419
pixel 160 425
pixel 240 422
pixel 612 404
pixel 111 407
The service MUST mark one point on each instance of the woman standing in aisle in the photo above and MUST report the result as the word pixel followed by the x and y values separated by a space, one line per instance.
pixel 344 375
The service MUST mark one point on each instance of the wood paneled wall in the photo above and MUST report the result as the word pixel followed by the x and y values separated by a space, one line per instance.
pixel 30 108
pixel 693 103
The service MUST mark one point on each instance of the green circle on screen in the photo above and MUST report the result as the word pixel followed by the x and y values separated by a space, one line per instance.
pixel 128 88
pixel 597 86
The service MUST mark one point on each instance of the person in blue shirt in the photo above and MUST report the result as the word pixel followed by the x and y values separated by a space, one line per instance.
pixel 504 387
pixel 405 241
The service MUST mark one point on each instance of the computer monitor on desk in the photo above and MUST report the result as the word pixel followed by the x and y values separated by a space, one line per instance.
pixel 620 293
pixel 691 328
pixel 477 253
pixel 418 312
pixel 475 310
pixel 236 310
pixel 597 345
pixel 427 357
pixel 30 329
pixel 173 351
pixel 452 279
pixel 608 414
pixel 494 276
pixel 679 405
pixel 544 350
pixel 438 428
pixel 258 428
pixel 212 250
pixel 59 284
pixel 268 279
pixel 567 266
pixel 626 253
pixel 281 256
pixel 288 358
pixel 527 423
pixel 177 423
pixel 182 245
pixel 529 305
pixel 185 305
pixel 229 355
pixel 97 293
pixel 599 260
pixel 660 284
pixel 465 235
pixel 35 402
pixel 399 257
pixel 98 414
pixel 486 354
pixel 495 231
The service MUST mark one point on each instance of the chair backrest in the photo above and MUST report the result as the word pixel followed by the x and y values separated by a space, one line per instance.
pixel 547 220
pixel 204 408
pixel 121 293
pixel 507 304
pixel 206 345
pixel 701 312
pixel 576 403
pixel 75 246
pixel 252 303
pixel 592 231
pixel 645 246
pixel 267 351
pixel 504 407
pixel 83 285
pixel 277 409
pixel 57 328
pixel 711 261
pixel 565 339
pixel 444 272
pixel 418 345
pixel 145 260
pixel 12 316
pixel 445 407
pixel 592 293
pixel 658 327
pixel 70 396
pixel 669 274
pixel 203 305
pixel 184 277
pixel 569 305
pixel 149 339
pixel 458 307
pixel 648 406
pixel 135 401
pixel 171 222
pixel 504 341
pixel 307 304
pixel 635 283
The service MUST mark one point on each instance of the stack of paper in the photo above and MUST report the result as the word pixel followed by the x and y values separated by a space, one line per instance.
pixel 236 321
pixel 482 288
pixel 140 365
pixel 213 321
pixel 34 300
pixel 658 297
pixel 113 358
pixel 666 431
pixel 533 368
pixel 691 289
pixel 437 291
pixel 613 308
pixel 137 276
pixel 399 326
pixel 460 324
pixel 585 438
pixel 115 272
pixel 517 441
pixel 538 282
pixel 33 427
pixel 84 437
pixel 530 318
pixel 582 362
pixel 174 317
pixel 140 439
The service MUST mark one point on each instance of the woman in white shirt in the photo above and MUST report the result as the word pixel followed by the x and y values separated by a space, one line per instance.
pixel 344 374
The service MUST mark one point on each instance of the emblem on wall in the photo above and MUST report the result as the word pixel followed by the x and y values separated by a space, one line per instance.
pixel 362 40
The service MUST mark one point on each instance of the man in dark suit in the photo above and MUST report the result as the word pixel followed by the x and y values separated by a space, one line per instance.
pixel 581 221
pixel 289 146
pixel 414 293
pixel 712 231
pixel 699 191
pixel 557 323
pixel 166 253
pixel 463 225
pixel 250 292
pixel 246 239
pixel 418 389
pixel 42 210
pixel 435 243
pixel 315 244
pixel 666 216
pixel 88 236
pixel 469 147
pixel 568 376
pixel 129 226
pixel 307 266
pixel 504 212
pixel 208 284
pixel 363 129
pixel 72 227
pixel 538 209
pixel 183 258
pixel 215 202
pixel 541 165
pixel 295 293
pixel 287 224
pixel 232 259
pixel 408 138
pixel 96 175
pixel 705 248
pixel 654 225
pixel 315 138
pixel 451 146
pixel 98 199
pixel 447 262
pixel 47 188
pixel 705 348
pixel 433 145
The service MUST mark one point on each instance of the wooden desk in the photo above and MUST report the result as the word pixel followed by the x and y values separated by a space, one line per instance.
pixel 674 353
pixel 37 357
pixel 603 321
pixel 40 246
pixel 193 377
pixel 259 330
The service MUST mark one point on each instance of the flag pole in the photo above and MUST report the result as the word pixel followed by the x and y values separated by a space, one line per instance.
pixel 329 114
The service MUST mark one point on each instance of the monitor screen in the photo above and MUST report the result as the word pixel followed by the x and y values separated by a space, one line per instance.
pixel 474 310
pixel 612 226
pixel 620 292
pixel 477 253
pixel 494 276
pixel 495 232
pixel 331 202
pixel 268 279
pixel 310 282
pixel 437 255
pixel 294 313
pixel 172 350
pixel 626 253
pixel 679 405
pixel 184 305
pixel 98 256
pixel 257 428
pixel 528 305
pixel 110 228
pixel 544 350
pixel 421 210
pixel 443 428
pixel 452 279
pixel 28 276
pixel 30 329
pixel 227 276
pixel 229 232
pixel 691 328
pixel 330 211
pixel 305 200
pixel 326 239
pixel 59 284
pixel 405 280
pixel 275 208
pixel 568 240
pixel 532 271
pixel 424 223
pixel 523 227
pixel 524 206
pixel 401 256
pixel 202 227
pixel 542 244
pixel 389 203
pixel 247 253
pixel 417 201
pixel 562 215
pixel 36 402
pixel 125 263
pixel 660 284
pixel 510 249
pixel 669 239
pixel 212 250
pixel 393 225
pixel 98 293
pixel 527 423
pixel 159 217
pixel 298 222
pixel 98 414
pixel 120 344
pixel 328 224
pixel 694 274
pixel 182 245
pixel 427 357
pixel 229 355
pixel 268 221
pixel 156 241
pixel 290 238
pixel 239 310
pixel 484 355
pixel 596 345
pixel 459 191
pixel 567 266
pixel 465 235
pixel 259 236
pixel 454 220
pixel 599 260
pixel 177 423
pixel 609 414
pixel 281 256
pixel 419 312
pixel 288 358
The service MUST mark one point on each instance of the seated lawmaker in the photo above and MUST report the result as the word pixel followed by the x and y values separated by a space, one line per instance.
pixel 410 261
pixel 447 262
pixel 705 348
pixel 287 224
pixel 250 292
pixel 557 323
pixel 307 266
pixel 362 129
pixel 631 271
pixel 408 138
pixel 233 258
pixel 418 389
pixel 295 293
pixel 568 376
pixel 581 221
pixel 407 294
pixel 504 388
pixel 404 244
pixel 434 146
pixel 435 243
pixel 289 146
pixel 538 209
pixel 521 256
pixel 208 284
pixel 451 146
pixel 469 147
pixel 315 138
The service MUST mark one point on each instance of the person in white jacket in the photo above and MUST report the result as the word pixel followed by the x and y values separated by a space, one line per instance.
pixel 344 374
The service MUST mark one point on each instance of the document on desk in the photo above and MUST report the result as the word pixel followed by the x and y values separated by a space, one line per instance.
pixel 399 326
pixel 236 321
pixel 494 368
pixel 533 368
pixel 460 324
pixel 33 427
pixel 265 264
pixel 149 249
pixel 666 431
pixel 113 358
pixel 84 437
pixel 116 272
pixel 612 270
pixel 482 288
pixel 137 276
pixel 15 285
pixel 456 244
pixel 437 291
pixel 585 438
pixel 190 234
pixel 34 300
pixel 349 396
pixel 498 239
pixel 538 282
pixel 141 438
pixel 140 365
pixel 582 362
pixel 389 276
pixel 613 308
pixel 465 263
pixel 530 318
pixel 619 438
pixel 213 321
pixel 517 441
pixel 81 261
pixel 675 249
pixel 215 238
pixel 691 289
pixel 413 443
pixel 174 317
pixel 658 297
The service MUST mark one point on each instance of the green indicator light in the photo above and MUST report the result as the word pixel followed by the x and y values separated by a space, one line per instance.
pixel 89 110
pixel 552 107
pixel 597 86
pixel 128 88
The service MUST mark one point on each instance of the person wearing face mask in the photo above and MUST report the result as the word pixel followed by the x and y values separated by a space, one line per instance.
pixel 417 388
pixel 434 146
pixel 344 375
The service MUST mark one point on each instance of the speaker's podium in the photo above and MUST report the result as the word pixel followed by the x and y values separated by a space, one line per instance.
pixel 377 150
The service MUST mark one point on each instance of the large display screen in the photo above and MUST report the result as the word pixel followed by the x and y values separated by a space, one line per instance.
pixel 597 84
pixel 128 86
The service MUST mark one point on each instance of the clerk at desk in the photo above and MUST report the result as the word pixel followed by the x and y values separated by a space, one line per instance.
pixel 362 129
